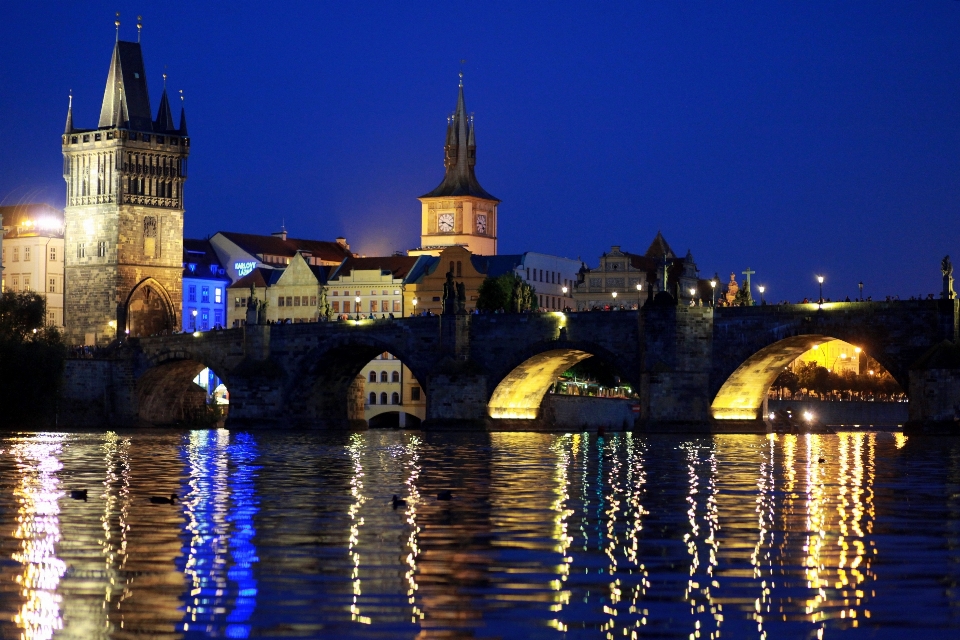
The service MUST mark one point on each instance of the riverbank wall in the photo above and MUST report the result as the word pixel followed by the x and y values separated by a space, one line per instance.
pixel 854 413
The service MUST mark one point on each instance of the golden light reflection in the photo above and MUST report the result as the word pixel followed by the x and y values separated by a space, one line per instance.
pixel 355 451
pixel 560 526
pixel 701 582
pixel 38 530
pixel 413 474
pixel 116 516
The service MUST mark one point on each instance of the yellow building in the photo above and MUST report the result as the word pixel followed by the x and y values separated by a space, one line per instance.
pixel 459 211
pixel 369 286
pixel 32 254
pixel 393 397
pixel 292 293
pixel 836 355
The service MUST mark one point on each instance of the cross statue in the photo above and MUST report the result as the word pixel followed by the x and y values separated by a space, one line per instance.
pixel 665 265
pixel 748 273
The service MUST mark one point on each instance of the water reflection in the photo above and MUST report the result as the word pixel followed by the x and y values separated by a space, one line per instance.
pixel 547 535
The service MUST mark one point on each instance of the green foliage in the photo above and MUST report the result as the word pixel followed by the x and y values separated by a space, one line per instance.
pixel 594 369
pixel 812 378
pixel 31 360
pixel 743 297
pixel 507 292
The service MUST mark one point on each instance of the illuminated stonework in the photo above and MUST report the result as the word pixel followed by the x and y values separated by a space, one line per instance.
pixel 520 393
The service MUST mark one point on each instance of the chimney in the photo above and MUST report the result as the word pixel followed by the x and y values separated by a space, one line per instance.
pixel 343 243
pixel 282 234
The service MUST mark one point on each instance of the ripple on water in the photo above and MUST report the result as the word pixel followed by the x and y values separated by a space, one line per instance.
pixel 294 534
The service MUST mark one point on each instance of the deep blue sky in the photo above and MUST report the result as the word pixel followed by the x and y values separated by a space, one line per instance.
pixel 793 138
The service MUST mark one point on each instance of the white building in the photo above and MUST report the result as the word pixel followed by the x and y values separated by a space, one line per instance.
pixel 32 254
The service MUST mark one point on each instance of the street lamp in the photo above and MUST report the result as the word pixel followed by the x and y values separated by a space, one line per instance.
pixel 639 287
pixel 762 289
pixel 820 280
pixel 564 289
pixel 713 292
pixel 693 292
pixel 614 298
pixel 415 301
pixel 194 319
pixel 860 284
pixel 357 300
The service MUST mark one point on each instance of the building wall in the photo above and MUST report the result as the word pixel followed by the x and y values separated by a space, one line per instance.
pixel 207 316
pixel 466 213
pixel 549 275
pixel 428 292
pixel 402 391
pixel 41 272
pixel 380 294
pixel 835 355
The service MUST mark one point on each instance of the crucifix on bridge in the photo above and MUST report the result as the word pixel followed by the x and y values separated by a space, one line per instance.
pixel 749 272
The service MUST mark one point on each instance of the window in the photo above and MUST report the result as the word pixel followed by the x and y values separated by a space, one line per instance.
pixel 289 301
pixel 192 293
pixel 395 376
pixel 395 398
pixel 280 301
pixel 218 317
pixel 16 284
pixel 53 254
pixel 383 376
pixel 336 306
pixel 296 301
pixel 26 282
pixel 217 295
pixel 236 303
pixel 384 306
pixel 205 319
pixel 414 393
pixel 396 306
pixel 383 398
pixel 26 254
pixel 373 398
pixel 53 285
pixel 306 300
pixel 101 249
pixel 373 306
pixel 346 306
pixel 205 295
pixel 313 301
pixel 373 376
pixel 16 254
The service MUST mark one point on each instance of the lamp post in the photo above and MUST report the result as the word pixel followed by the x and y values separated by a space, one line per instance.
pixel 564 289
pixel 820 280
pixel 357 300
pixel 639 287
pixel 194 314
pixel 614 298
pixel 713 292
pixel 415 301
pixel 860 284
pixel 762 289
pixel 693 301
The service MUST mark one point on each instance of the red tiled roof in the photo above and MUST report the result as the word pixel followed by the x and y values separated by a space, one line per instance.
pixel 399 266
pixel 277 246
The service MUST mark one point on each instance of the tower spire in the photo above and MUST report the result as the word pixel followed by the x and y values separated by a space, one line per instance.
pixel 139 26
pixel 183 116
pixel 117 25
pixel 69 126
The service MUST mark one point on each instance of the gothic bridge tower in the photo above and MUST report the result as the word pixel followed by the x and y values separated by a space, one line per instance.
pixel 124 213
pixel 459 211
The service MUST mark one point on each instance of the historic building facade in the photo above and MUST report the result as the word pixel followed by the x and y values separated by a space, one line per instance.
pixel 33 254
pixel 459 211
pixel 124 213
pixel 205 285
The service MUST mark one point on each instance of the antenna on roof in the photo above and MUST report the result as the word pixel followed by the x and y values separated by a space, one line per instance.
pixel 117 25
pixel 139 26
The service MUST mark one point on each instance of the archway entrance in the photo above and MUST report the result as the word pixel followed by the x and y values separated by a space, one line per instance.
pixel 182 392
pixel 149 311
pixel 808 367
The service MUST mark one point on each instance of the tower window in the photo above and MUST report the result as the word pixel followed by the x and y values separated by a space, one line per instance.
pixel 150 237
pixel 101 249
pixel 81 250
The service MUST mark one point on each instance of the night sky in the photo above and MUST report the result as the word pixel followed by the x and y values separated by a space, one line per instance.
pixel 793 138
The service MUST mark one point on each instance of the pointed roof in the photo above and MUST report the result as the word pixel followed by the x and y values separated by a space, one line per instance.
pixel 660 249
pixel 164 121
pixel 183 121
pixel 126 102
pixel 460 156
pixel 69 126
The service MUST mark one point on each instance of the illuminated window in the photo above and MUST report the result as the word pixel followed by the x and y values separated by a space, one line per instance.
pixel 15 285
pixel 373 398
pixel 192 293
pixel 205 319
pixel 384 306
pixel 296 301
pixel 101 249
pixel 313 301
pixel 336 293
pixel 336 306
pixel 205 295
pixel 289 301
pixel 383 376
pixel 346 306
pixel 305 300
pixel 217 295
pixel 373 306
pixel 396 376
pixel 396 306
pixel 280 301
pixel 373 376
pixel 236 303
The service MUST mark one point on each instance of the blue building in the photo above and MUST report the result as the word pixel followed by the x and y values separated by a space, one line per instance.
pixel 205 283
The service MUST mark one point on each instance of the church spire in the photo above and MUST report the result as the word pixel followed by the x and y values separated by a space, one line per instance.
pixel 164 121
pixel 126 102
pixel 460 156
pixel 183 116
pixel 69 127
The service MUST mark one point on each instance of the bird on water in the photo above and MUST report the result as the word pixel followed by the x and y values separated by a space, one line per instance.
pixel 79 494
pixel 161 500
pixel 445 495
pixel 398 502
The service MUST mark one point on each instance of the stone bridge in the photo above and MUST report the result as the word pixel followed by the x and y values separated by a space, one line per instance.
pixel 691 365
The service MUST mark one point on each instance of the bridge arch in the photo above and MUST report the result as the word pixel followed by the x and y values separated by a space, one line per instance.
pixel 522 385
pixel 166 392
pixel 742 394
pixel 327 391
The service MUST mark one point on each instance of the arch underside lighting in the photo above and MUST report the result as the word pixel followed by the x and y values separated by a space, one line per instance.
pixel 166 393
pixel 741 396
pixel 518 395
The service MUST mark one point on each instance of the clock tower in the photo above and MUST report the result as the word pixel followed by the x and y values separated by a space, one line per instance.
pixel 459 211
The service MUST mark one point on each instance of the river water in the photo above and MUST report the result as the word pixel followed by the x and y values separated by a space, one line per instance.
pixel 293 534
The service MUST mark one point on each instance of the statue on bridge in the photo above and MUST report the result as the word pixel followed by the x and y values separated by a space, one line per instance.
pixel 461 299
pixel 946 268
pixel 253 306
pixel 449 295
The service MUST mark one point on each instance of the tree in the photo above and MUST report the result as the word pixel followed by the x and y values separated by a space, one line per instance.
pixel 32 358
pixel 743 297
pixel 506 292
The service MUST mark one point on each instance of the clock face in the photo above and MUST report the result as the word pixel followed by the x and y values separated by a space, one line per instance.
pixel 481 224
pixel 445 222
